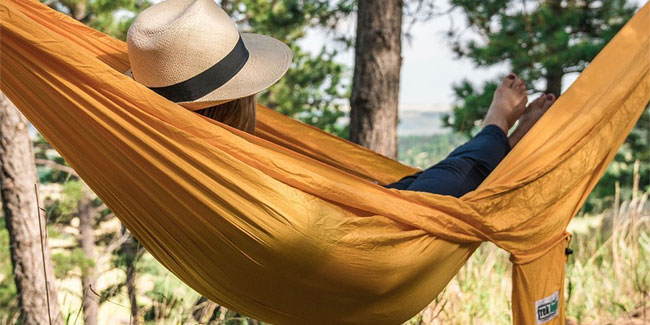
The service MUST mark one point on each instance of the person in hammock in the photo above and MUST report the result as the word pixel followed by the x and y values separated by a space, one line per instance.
pixel 216 71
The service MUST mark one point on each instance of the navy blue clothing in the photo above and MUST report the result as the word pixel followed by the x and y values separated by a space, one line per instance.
pixel 464 169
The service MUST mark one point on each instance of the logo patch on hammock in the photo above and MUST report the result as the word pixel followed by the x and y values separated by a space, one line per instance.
pixel 547 308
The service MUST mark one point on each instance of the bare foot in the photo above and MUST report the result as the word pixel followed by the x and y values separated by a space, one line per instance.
pixel 508 103
pixel 532 114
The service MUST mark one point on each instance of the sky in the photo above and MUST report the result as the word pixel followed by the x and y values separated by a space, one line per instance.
pixel 429 67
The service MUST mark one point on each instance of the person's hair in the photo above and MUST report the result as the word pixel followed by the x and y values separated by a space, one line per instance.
pixel 239 113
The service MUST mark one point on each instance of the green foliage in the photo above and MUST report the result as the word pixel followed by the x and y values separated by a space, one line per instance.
pixel 636 147
pixel 542 44
pixel 475 102
pixel 8 304
pixel 102 14
pixel 72 192
pixel 555 38
pixel 424 151
pixel 314 87
pixel 164 303
pixel 608 276
pixel 65 262
pixel 311 91
pixel 43 150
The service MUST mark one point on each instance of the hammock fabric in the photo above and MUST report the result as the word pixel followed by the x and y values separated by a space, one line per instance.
pixel 289 225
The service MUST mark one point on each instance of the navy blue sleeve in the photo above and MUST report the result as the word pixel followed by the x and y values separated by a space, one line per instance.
pixel 464 169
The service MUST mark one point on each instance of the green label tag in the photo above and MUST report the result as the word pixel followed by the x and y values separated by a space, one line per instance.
pixel 547 308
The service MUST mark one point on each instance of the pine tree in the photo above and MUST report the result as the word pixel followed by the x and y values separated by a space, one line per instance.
pixel 30 254
pixel 541 41
pixel 377 65
pixel 313 88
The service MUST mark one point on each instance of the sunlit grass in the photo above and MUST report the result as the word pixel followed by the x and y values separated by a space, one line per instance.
pixel 607 277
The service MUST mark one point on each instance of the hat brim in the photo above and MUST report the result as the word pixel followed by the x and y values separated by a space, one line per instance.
pixel 267 62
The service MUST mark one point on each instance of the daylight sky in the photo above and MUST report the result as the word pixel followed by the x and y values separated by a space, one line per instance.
pixel 429 67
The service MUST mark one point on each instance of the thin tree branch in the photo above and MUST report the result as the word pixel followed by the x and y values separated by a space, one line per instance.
pixel 117 241
pixel 57 166
pixel 99 209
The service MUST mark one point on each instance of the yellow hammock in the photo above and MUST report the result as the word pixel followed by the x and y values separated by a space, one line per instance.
pixel 288 225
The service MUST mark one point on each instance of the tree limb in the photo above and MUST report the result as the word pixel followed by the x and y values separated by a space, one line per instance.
pixel 57 166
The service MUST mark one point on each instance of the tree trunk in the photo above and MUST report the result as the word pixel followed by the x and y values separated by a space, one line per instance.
pixel 554 72
pixel 79 13
pixel 22 221
pixel 554 83
pixel 90 301
pixel 204 310
pixel 131 289
pixel 131 250
pixel 375 86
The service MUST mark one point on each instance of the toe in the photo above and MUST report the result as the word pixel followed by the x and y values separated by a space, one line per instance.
pixel 538 102
pixel 522 88
pixel 549 99
pixel 523 103
pixel 517 83
pixel 509 80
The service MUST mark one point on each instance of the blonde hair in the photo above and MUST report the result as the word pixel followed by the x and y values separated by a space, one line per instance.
pixel 239 113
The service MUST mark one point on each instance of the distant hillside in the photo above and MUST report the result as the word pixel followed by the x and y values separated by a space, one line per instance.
pixel 425 150
pixel 421 123
pixel 414 119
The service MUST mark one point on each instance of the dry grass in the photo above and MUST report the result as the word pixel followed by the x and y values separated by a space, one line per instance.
pixel 607 278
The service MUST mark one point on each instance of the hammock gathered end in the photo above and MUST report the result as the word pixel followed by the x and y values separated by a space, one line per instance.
pixel 288 225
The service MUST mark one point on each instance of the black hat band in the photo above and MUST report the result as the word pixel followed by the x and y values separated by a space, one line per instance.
pixel 208 80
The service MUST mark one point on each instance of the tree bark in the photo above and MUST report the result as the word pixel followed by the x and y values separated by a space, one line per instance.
pixel 554 72
pixel 204 310
pixel 375 85
pixel 130 249
pixel 131 289
pixel 22 221
pixel 79 12
pixel 554 83
pixel 90 301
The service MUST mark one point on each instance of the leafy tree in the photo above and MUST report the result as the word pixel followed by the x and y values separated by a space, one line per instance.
pixel 73 201
pixel 542 41
pixel 314 87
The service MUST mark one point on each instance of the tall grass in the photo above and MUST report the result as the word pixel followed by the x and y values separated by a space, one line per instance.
pixel 610 280
pixel 607 277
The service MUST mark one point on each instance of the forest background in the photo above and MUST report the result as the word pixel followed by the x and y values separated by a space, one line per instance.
pixel 102 275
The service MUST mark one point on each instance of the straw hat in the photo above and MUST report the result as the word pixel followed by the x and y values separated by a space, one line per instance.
pixel 190 52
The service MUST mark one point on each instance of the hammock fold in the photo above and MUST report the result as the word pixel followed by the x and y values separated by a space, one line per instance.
pixel 290 225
